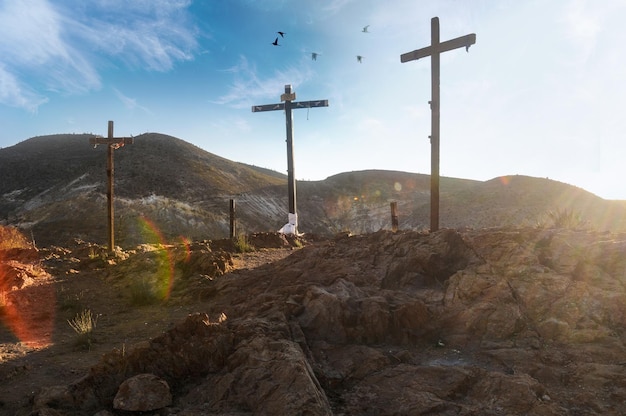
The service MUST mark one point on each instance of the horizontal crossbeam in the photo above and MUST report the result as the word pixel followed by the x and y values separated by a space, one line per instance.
pixel 114 140
pixel 268 107
pixel 310 104
pixel 462 42
pixel 294 105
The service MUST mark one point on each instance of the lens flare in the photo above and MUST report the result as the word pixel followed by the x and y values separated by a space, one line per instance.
pixel 165 264
pixel 186 244
pixel 28 311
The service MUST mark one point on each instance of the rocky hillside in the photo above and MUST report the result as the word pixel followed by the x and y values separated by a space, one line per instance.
pixel 520 321
pixel 54 188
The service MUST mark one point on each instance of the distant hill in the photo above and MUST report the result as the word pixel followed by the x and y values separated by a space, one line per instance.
pixel 54 187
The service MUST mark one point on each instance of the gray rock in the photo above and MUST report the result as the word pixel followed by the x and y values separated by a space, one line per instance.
pixel 142 393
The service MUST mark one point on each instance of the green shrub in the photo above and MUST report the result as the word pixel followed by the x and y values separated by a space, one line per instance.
pixel 242 244
pixel 143 292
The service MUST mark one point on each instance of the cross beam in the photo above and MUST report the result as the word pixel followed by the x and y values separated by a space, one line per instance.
pixel 112 144
pixel 434 51
pixel 288 105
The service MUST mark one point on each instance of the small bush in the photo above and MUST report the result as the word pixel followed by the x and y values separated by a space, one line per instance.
pixel 72 302
pixel 242 244
pixel 565 218
pixel 142 293
pixel 83 324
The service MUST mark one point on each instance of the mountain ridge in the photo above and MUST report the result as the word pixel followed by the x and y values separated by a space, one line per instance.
pixel 55 188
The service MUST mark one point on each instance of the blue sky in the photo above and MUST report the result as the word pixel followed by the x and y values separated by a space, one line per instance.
pixel 541 93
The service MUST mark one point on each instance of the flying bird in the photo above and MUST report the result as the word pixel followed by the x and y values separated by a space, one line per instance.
pixel 275 43
pixel 314 56
pixel 365 29
pixel 282 34
pixel 359 58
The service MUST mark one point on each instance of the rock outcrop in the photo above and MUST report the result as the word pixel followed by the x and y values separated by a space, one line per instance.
pixel 478 322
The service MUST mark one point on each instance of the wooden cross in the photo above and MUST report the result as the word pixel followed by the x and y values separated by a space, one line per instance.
pixel 112 144
pixel 434 50
pixel 288 105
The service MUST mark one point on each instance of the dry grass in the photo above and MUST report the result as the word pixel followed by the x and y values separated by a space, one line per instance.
pixel 83 324
pixel 563 218
pixel 11 237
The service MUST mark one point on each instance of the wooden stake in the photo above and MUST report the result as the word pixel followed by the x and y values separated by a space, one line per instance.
pixel 394 216
pixel 233 222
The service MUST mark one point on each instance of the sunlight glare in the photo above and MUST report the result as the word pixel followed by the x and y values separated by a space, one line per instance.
pixel 165 272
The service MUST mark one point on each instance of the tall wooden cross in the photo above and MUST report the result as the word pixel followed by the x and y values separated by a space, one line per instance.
pixel 288 105
pixel 434 50
pixel 112 144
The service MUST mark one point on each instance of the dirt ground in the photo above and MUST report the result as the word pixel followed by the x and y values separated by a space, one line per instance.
pixel 489 322
pixel 39 348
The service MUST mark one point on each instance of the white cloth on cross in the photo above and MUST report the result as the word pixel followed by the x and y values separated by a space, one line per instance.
pixel 292 226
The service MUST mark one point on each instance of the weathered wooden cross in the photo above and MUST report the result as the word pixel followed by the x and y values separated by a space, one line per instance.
pixel 434 50
pixel 288 105
pixel 112 144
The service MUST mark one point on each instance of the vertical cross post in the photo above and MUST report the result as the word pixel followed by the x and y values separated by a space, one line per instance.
pixel 435 124
pixel 110 172
pixel 288 97
pixel 434 51
pixel 112 144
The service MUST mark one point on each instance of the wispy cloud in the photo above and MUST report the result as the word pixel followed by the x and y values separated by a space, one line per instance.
pixel 15 95
pixel 249 87
pixel 53 46
pixel 36 57
pixel 582 25
pixel 335 6
pixel 130 103
pixel 153 35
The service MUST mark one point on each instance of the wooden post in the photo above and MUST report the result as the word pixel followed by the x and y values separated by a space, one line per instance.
pixel 291 178
pixel 232 219
pixel 435 124
pixel 288 105
pixel 110 176
pixel 394 216
pixel 434 51
pixel 112 144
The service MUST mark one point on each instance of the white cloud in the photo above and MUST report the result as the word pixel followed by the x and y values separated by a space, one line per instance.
pixel 15 95
pixel 248 87
pixel 129 103
pixel 59 46
pixel 30 32
pixel 153 40
pixel 335 6
pixel 242 124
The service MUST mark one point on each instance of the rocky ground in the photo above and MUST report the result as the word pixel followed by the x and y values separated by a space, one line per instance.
pixel 473 322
